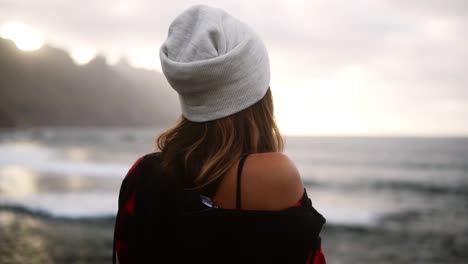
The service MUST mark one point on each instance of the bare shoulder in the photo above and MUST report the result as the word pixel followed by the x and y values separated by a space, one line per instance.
pixel 276 167
pixel 272 181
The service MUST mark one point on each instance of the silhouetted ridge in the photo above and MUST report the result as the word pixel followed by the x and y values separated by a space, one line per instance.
pixel 46 88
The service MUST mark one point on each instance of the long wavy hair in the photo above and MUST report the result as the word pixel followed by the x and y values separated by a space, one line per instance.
pixel 204 151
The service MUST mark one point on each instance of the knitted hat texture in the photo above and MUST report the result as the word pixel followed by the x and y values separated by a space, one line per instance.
pixel 216 63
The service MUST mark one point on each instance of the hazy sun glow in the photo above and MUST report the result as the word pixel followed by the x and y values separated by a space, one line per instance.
pixel 82 55
pixel 24 37
pixel 322 106
pixel 144 57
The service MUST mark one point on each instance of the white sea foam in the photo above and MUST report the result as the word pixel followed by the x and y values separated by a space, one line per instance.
pixel 20 162
pixel 353 209
pixel 101 204
pixel 70 205
pixel 48 160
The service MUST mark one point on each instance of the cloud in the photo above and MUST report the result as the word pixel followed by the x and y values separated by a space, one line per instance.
pixel 409 53
pixel 432 7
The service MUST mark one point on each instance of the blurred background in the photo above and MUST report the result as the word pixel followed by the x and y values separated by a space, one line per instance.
pixel 371 95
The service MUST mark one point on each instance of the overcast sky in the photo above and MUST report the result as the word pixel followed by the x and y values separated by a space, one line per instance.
pixel 338 67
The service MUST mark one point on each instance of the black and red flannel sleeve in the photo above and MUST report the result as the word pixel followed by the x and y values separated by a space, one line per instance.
pixel 124 214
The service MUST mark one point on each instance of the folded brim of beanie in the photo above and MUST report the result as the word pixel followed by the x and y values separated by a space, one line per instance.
pixel 217 64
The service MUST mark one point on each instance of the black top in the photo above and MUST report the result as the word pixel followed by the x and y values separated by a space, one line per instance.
pixel 172 224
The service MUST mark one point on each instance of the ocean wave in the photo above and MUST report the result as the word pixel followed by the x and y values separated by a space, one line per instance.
pixel 49 160
pixel 410 166
pixel 395 186
pixel 418 187
pixel 329 226
pixel 102 205
pixel 359 223
pixel 66 205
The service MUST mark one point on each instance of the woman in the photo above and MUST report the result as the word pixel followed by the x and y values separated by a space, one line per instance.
pixel 220 190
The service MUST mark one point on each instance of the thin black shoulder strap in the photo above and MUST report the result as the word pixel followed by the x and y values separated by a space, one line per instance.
pixel 239 172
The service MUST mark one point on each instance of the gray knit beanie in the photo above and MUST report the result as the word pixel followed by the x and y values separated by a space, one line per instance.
pixel 217 64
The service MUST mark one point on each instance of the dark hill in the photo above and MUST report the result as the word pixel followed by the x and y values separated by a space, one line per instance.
pixel 46 88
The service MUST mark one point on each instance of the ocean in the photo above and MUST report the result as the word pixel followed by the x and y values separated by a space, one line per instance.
pixel 386 199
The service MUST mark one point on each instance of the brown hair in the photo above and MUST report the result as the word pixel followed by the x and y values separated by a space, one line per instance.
pixel 204 151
